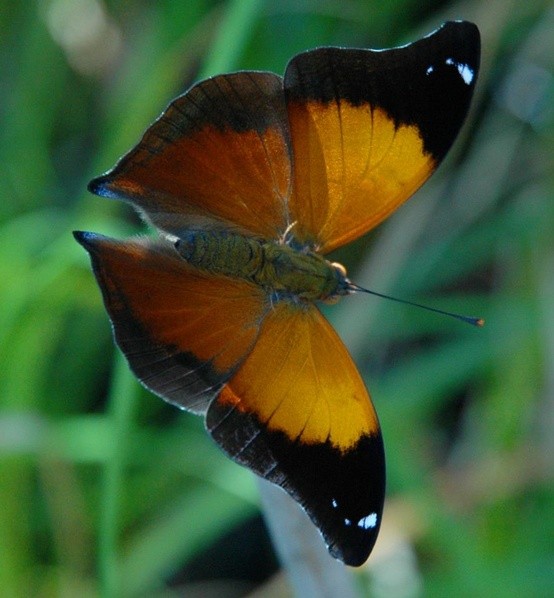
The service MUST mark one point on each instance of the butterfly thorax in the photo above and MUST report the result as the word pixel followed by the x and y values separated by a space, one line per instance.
pixel 278 267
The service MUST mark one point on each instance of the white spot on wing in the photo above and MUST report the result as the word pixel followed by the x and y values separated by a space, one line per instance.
pixel 465 71
pixel 368 522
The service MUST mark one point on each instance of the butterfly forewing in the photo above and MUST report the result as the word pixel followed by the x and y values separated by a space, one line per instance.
pixel 298 414
pixel 369 127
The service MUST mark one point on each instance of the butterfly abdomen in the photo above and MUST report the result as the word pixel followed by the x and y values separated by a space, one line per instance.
pixel 285 272
pixel 229 254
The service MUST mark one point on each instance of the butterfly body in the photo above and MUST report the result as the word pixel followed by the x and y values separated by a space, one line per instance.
pixel 252 180
pixel 278 267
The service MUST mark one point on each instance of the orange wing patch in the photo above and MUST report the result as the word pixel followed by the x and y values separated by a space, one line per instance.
pixel 353 167
pixel 300 380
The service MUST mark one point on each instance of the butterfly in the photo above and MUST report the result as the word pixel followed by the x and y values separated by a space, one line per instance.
pixel 251 179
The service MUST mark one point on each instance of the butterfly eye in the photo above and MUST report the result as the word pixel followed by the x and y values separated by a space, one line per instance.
pixel 341 269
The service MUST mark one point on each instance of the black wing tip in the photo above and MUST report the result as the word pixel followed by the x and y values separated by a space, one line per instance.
pixel 353 549
pixel 101 186
pixel 351 556
pixel 466 29
pixel 342 492
pixel 82 237
pixel 87 239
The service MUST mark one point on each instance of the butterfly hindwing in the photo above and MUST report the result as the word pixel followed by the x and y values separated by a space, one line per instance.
pixel 218 157
pixel 182 331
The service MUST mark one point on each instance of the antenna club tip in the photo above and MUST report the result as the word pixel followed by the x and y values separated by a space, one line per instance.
pixel 480 322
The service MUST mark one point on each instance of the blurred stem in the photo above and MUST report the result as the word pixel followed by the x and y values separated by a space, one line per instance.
pixel 121 400
pixel 310 568
pixel 232 36
pixel 312 572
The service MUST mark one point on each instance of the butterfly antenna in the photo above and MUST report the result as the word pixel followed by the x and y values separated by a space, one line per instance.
pixel 467 319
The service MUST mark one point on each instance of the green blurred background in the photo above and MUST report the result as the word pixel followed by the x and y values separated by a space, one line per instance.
pixel 104 489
